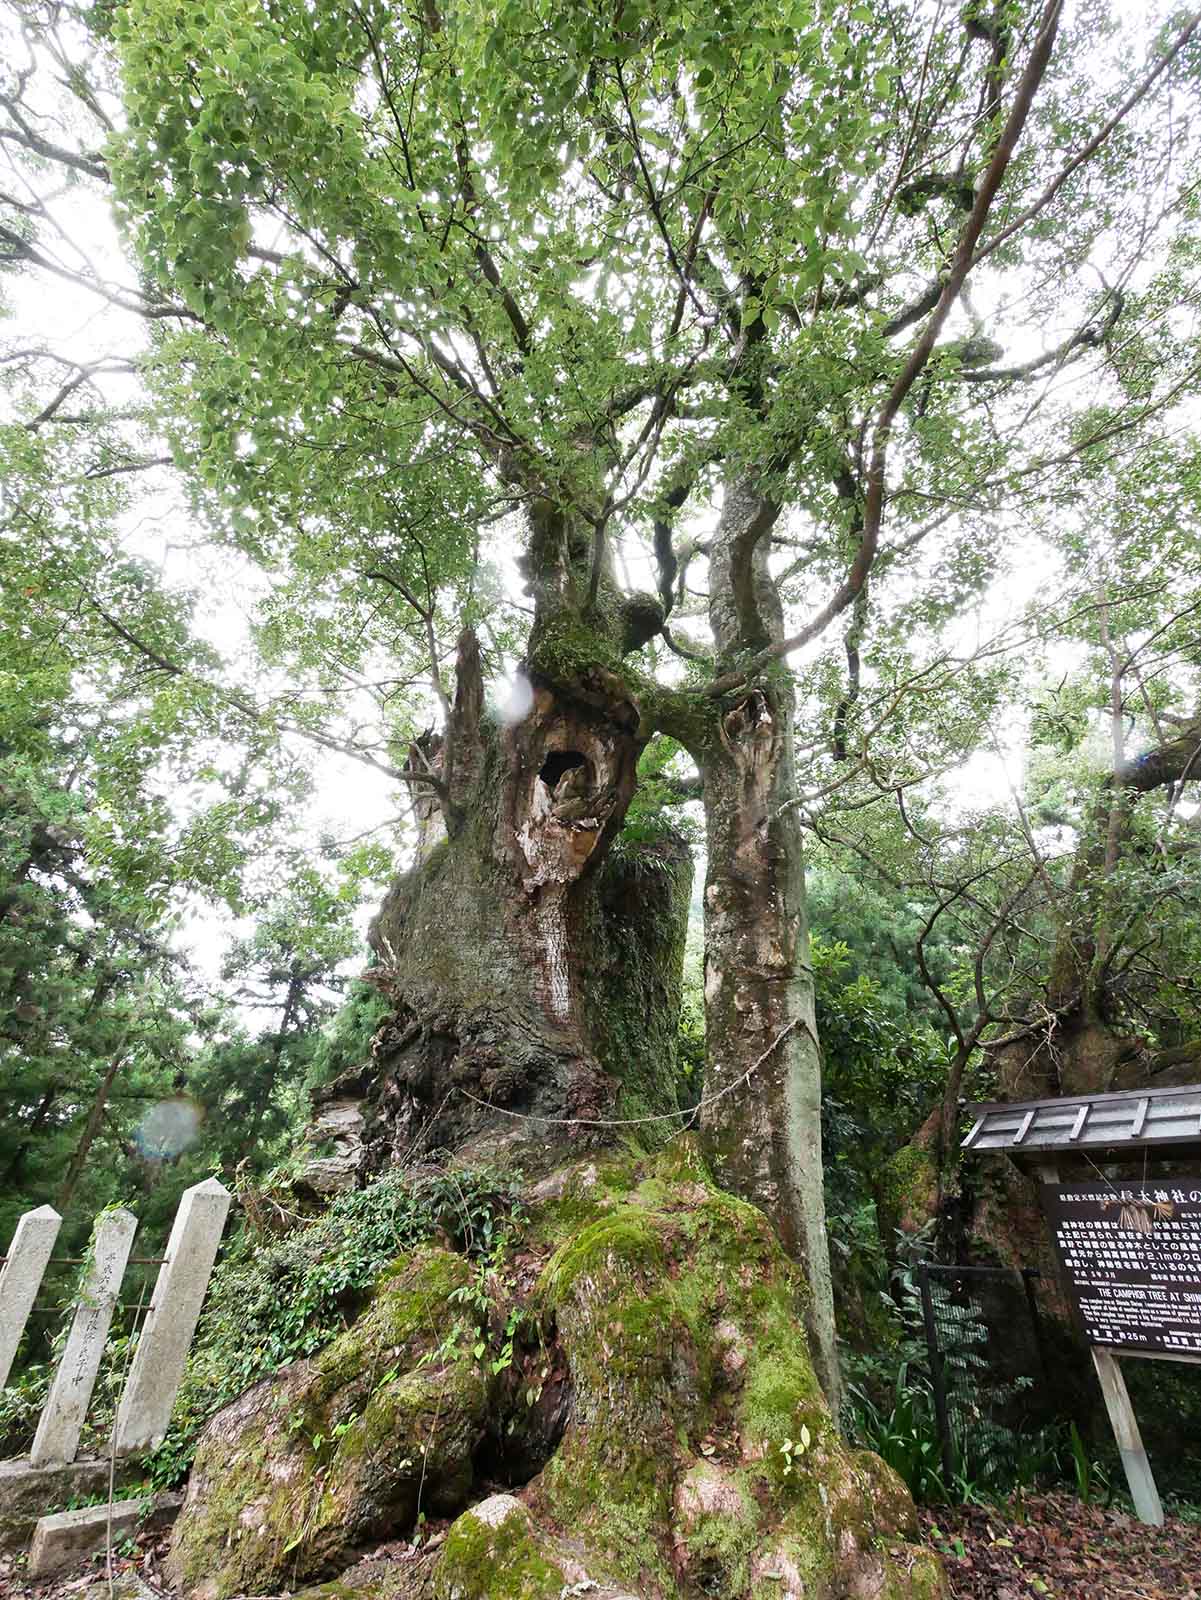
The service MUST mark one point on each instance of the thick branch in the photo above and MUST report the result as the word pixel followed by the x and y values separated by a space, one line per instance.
pixel 873 509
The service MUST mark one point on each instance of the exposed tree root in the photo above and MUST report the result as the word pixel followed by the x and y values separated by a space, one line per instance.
pixel 637 1373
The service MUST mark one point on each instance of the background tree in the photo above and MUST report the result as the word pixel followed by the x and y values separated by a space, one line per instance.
pixel 135 791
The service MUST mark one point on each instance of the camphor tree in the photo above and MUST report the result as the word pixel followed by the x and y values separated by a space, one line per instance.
pixel 709 282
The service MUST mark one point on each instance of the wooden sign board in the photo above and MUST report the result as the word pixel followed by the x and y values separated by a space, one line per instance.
pixel 1131 1259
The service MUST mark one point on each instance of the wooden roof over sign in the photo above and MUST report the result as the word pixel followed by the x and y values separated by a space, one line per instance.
pixel 1159 1120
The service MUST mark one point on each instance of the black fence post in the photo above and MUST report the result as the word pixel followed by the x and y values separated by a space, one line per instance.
pixel 1028 1276
pixel 937 1379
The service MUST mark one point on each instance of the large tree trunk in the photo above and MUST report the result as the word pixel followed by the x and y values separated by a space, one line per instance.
pixel 535 976
pixel 762 1116
pixel 764 1133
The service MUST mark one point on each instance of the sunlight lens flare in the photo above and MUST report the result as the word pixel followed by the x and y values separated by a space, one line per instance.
pixel 519 702
pixel 168 1128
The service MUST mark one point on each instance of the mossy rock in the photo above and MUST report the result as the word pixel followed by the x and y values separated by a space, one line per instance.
pixel 391 1578
pixel 335 1451
pixel 496 1551
pixel 491 1554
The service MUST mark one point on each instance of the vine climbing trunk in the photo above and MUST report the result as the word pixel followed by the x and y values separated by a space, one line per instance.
pixel 762 1116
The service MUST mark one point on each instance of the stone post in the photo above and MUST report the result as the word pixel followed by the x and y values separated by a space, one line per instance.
pixel 66 1405
pixel 22 1277
pixel 162 1351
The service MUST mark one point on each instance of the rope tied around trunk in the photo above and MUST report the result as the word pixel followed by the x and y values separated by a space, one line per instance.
pixel 690 1115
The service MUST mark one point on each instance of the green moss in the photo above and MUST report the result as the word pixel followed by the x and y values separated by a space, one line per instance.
pixel 682 1161
pixel 407 1315
pixel 567 648
pixel 680 1321
pixel 627 1236
pixel 924 1580
pixel 893 1511
pixel 342 1448
pixel 588 1191
pixel 382 1580
pixel 805 1557
pixel 908 1187
pixel 612 1291
pixel 683 1322
pixel 618 1499
pixel 780 1397
pixel 690 715
pixel 274 1300
pixel 501 1562
pixel 722 1541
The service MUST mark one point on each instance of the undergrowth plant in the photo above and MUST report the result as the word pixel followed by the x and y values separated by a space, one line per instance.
pixel 904 1432
pixel 275 1300
pixel 892 1405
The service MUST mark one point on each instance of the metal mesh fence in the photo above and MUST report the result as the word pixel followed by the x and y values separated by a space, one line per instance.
pixel 991 1396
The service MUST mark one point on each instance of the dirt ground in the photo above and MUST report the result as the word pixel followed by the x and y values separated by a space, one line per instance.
pixel 1049 1546
pixel 1053 1546
pixel 394 1571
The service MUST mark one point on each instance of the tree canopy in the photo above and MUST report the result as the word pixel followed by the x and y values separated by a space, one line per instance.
pixel 810 386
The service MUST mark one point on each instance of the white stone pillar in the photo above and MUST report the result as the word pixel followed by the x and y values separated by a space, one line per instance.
pixel 162 1351
pixel 21 1278
pixel 66 1406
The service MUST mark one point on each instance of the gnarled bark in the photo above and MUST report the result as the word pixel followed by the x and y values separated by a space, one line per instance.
pixel 496 947
pixel 493 946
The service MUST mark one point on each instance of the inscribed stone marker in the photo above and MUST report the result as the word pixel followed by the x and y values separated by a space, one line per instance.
pixel 69 1537
pixel 22 1277
pixel 162 1351
pixel 62 1418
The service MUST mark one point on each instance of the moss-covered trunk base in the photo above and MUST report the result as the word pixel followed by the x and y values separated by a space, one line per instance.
pixel 625 1407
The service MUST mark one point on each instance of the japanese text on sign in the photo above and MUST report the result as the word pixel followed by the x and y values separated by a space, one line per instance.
pixel 1131 1256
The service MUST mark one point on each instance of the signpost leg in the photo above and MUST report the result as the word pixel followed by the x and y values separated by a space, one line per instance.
pixel 1125 1430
